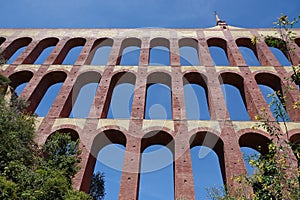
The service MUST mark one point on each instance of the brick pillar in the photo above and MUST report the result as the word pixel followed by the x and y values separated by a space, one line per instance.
pixel 295 54
pixel 234 55
pixel 254 98
pixel 216 101
pixel 174 52
pixel 83 56
pixel 183 173
pixel 129 188
pixel 144 52
pixel 114 57
pixel 203 52
pixel 264 54
pixel 101 100
pixel 233 158
pixel 82 179
pixel 178 104
pixel 139 99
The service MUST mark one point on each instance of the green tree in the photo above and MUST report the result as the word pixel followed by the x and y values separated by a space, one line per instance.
pixel 97 186
pixel 26 170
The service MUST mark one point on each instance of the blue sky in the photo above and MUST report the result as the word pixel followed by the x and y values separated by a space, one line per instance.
pixel 141 14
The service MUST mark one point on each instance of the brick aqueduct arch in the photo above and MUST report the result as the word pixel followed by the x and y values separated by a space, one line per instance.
pixel 220 133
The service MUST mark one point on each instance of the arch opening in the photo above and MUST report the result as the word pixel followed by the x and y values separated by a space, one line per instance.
pixel 70 52
pixel 107 145
pixel 157 166
pixel 159 52
pixel 158 85
pixel 100 52
pixel 45 93
pixel 270 86
pixel 120 96
pixel 19 80
pixel 130 52
pixel 196 97
pixel 208 166
pixel 15 49
pixel 82 96
pixel 42 51
pixel 252 145
pixel 218 51
pixel 189 52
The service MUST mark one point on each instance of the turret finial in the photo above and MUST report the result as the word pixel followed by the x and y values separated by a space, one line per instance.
pixel 220 22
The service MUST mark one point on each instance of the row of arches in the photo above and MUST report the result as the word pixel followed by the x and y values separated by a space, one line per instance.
pixel 128 52
pixel 158 98
pixel 158 160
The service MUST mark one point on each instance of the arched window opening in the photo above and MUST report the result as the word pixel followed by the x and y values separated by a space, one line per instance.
pixel 206 171
pixel 44 55
pixel 119 99
pixel 268 83
pixel 19 89
pixel 82 96
pixel 249 154
pixel 48 99
pixel 156 167
pixel 130 52
pixel 158 102
pixel 218 51
pixel 107 145
pixel 74 135
pixel 196 97
pixel 100 52
pixel 158 108
pixel 15 49
pixel 196 102
pixel 252 145
pixel 72 55
pixel 41 52
pixel 43 96
pixel 219 56
pixel 19 80
pixel 158 97
pixel 207 163
pixel 249 56
pixel 159 52
pixel 279 55
pixel 121 103
pixel 234 102
pixel 101 55
pixel 188 49
pixel 274 102
pixel 189 56
pixel 16 55
pixel 159 56
pixel 84 100
pixel 111 168
pixel 70 52
pixel 295 142
pixel 248 51
pixel 2 40
pixel 234 94
pixel 130 56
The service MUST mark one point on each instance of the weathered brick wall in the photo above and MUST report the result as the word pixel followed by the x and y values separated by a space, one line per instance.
pixel 220 133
